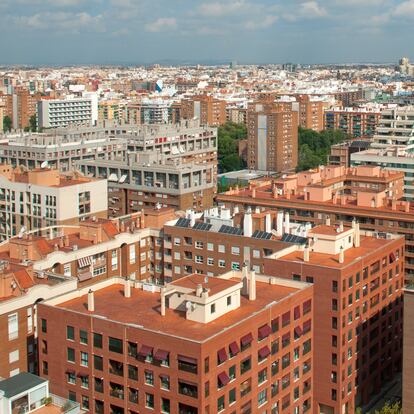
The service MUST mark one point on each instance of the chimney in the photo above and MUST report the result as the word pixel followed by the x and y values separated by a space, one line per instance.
pixel 287 222
pixel 357 236
pixel 268 223
pixel 192 218
pixel 252 285
pixel 341 226
pixel 199 290
pixel 353 223
pixel 127 289
pixel 244 278
pixel 253 193
pixel 66 241
pixel 235 210
pixel 341 255
pixel 248 223
pixel 163 290
pixel 306 253
pixel 61 242
pixel 91 301
pixel 279 223
pixel 328 220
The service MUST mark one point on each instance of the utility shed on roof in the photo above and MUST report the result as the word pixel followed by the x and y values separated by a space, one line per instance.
pixel 19 383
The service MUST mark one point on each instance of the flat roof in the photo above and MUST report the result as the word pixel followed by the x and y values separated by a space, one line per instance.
pixel 19 383
pixel 143 309
pixel 244 174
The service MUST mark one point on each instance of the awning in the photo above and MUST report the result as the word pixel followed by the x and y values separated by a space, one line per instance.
pixel 264 352
pixel 145 351
pixel 161 355
pixel 246 339
pixel 70 371
pixel 223 378
pixel 307 306
pixel 307 326
pixel 83 375
pixel 234 348
pixel 296 312
pixel 221 355
pixel 298 331
pixel 187 360
pixel 264 331
pixel 85 261
pixel 84 276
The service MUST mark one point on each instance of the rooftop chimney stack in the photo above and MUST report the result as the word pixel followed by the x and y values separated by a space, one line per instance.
pixel 341 226
pixel 248 223
pixel 341 255
pixel 357 236
pixel 244 278
pixel 287 222
pixel 199 290
pixel 279 223
pixel 91 301
pixel 328 221
pixel 306 253
pixel 252 285
pixel 192 218
pixel 127 289
pixel 268 223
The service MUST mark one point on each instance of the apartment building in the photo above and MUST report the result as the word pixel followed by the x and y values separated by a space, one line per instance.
pixel 208 109
pixel 61 150
pixel 216 241
pixel 236 114
pixel 34 199
pixel 240 342
pixel 358 285
pixel 392 158
pixel 152 179
pixel 408 346
pixel 311 112
pixel 20 106
pixel 341 153
pixel 110 110
pixel 395 127
pixel 370 195
pixel 57 113
pixel 356 122
pixel 349 98
pixel 272 136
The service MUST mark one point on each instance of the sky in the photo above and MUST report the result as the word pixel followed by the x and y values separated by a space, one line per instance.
pixel 43 32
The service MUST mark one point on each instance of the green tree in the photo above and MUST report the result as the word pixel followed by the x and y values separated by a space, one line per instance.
pixel 33 123
pixel 228 135
pixel 231 162
pixel 7 124
pixel 387 409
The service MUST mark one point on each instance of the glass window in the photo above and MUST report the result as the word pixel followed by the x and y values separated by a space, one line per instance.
pixel 70 354
pixel 83 337
pixel 97 340
pixel 115 345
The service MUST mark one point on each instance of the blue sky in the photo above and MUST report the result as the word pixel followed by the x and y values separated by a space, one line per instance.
pixel 249 31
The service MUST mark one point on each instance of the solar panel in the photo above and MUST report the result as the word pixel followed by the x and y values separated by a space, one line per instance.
pixel 291 238
pixel 182 222
pixel 231 230
pixel 258 234
pixel 202 226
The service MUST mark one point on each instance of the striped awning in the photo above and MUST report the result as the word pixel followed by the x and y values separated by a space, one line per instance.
pixel 85 261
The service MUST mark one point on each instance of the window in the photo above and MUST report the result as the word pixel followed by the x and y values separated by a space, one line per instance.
pixel 232 396
pixel 149 400
pixel 210 247
pixel 97 340
pixel 221 248
pixel 114 259
pixel 285 319
pixel 256 254
pixel 212 308
pixel 83 337
pixel 84 381
pixel 262 397
pixel 262 376
pixel 13 324
pixel 132 372
pixel 84 359
pixel 285 360
pixel 245 365
pixel 220 404
pixel 199 244
pixel 67 269
pixel 235 266
pixel 228 300
pixel 132 254
pixel 98 362
pixel 235 250
pixel 309 279
pixel 165 382
pixel 222 263
pixel 29 320
pixel 210 261
pixel 232 372
pixel 115 345
pixel 13 356
pixel 70 354
pixel 71 377
pixel 199 259
pixel 85 402
pixel 149 378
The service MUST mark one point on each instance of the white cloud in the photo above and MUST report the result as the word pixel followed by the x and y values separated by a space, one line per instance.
pixel 162 24
pixel 405 9
pixel 62 22
pixel 220 9
pixel 312 9
pixel 262 24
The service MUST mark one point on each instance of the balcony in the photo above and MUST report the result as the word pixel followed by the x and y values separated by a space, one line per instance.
pixel 190 390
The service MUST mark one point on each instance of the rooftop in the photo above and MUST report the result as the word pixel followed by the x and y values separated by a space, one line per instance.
pixel 19 383
pixel 142 309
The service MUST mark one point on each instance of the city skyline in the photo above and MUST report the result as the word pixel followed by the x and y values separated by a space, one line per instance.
pixel 139 32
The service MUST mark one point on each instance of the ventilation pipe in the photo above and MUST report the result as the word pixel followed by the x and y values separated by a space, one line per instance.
pixel 91 301
pixel 252 285
pixel 248 223
pixel 279 223
pixel 127 289
pixel 328 221
pixel 244 278
pixel 306 253
pixel 341 226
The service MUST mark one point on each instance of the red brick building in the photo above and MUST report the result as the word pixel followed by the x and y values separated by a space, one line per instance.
pixel 237 343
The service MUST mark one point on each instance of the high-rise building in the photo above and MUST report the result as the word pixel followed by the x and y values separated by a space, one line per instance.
pixel 272 134
pixel 310 113
pixel 20 107
pixel 240 342
pixel 408 351
pixel 56 113
pixel 40 198
pixel 109 110
pixel 208 109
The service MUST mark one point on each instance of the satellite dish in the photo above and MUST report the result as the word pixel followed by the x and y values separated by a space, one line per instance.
pixel 44 164
pixel 188 305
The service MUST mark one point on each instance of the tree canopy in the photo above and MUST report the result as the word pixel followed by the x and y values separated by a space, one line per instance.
pixel 7 124
pixel 314 147
pixel 228 135
pixel 388 408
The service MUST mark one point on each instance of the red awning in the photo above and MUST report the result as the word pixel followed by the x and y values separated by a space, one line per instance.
pixel 264 352
pixel 296 312
pixel 70 371
pixel 246 339
pixel 234 348
pixel 145 351
pixel 186 359
pixel 307 306
pixel 264 331
pixel 298 331
pixel 307 326
pixel 223 378
pixel 161 355
pixel 221 355
pixel 83 375
pixel 84 276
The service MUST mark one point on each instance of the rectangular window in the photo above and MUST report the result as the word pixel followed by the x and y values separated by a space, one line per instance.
pixel 235 266
pixel 83 337
pixel 132 254
pixel 222 263
pixel 98 362
pixel 70 355
pixel 13 326
pixel 70 333
pixel 84 359
pixel 235 250
pixel 114 259
pixel 115 345
pixel 97 340
pixel 13 356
